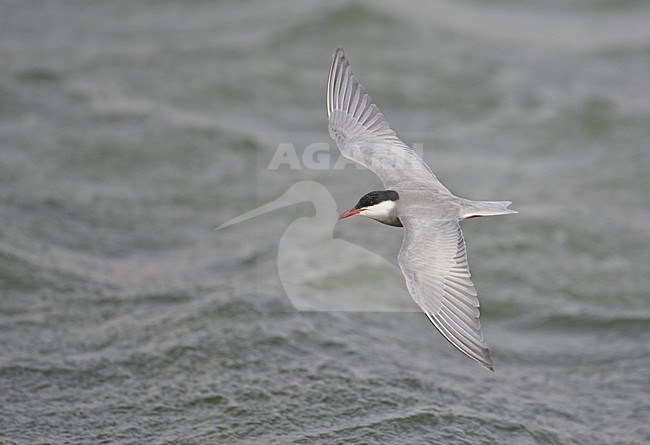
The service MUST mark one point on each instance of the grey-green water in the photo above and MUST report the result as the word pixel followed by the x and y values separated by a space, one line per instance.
pixel 129 130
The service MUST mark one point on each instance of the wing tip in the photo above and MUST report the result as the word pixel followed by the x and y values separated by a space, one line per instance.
pixel 338 60
pixel 486 359
pixel 480 354
pixel 487 363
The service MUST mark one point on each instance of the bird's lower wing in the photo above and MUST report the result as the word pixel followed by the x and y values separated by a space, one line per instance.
pixel 364 136
pixel 433 260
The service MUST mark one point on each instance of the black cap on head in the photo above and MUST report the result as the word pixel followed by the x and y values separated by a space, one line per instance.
pixel 373 198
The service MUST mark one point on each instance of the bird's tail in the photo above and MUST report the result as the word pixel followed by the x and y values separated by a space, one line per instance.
pixel 473 209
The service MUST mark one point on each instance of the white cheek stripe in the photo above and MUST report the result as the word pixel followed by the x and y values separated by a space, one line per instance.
pixel 383 209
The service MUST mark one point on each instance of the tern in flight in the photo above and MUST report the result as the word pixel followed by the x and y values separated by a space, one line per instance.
pixel 433 258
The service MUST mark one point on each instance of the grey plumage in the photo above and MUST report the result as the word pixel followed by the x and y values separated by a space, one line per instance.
pixel 433 257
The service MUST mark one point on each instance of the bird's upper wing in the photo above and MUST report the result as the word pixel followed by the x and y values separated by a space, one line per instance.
pixel 363 135
pixel 434 262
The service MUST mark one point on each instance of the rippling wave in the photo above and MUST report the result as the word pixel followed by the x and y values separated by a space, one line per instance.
pixel 130 130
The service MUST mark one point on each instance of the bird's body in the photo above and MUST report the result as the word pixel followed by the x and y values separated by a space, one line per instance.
pixel 433 258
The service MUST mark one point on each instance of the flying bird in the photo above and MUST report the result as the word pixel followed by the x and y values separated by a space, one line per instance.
pixel 433 257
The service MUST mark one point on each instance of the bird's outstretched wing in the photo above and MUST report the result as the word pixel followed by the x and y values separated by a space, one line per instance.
pixel 433 260
pixel 363 135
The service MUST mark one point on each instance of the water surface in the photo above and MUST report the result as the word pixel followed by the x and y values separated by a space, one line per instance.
pixel 129 130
